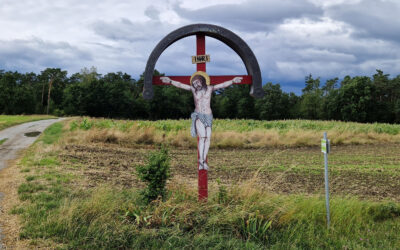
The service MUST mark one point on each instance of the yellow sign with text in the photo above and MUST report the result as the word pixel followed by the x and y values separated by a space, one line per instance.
pixel 200 59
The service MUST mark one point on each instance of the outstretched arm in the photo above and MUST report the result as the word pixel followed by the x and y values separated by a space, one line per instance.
pixel 180 85
pixel 227 83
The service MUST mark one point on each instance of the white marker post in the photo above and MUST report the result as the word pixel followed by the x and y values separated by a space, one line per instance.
pixel 325 148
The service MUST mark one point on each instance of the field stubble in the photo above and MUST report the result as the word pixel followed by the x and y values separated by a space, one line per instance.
pixel 285 158
pixel 365 171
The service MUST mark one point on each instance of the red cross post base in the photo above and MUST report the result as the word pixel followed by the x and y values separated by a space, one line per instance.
pixel 247 79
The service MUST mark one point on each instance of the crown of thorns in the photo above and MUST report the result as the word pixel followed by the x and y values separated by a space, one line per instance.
pixel 203 74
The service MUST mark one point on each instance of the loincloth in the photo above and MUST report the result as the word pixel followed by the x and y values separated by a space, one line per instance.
pixel 206 119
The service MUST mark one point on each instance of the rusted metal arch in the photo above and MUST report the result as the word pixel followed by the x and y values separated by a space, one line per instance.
pixel 224 35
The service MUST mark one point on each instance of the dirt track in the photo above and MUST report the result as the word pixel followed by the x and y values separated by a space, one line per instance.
pixel 16 140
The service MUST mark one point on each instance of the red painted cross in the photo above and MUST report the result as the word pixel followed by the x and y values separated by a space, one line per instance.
pixel 201 50
pixel 247 79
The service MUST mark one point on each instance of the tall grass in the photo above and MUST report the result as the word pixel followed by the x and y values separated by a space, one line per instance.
pixel 241 125
pixel 248 217
pixel 233 133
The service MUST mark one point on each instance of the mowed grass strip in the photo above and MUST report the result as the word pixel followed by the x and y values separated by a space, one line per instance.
pixel 233 133
pixel 83 193
pixel 52 134
pixel 11 120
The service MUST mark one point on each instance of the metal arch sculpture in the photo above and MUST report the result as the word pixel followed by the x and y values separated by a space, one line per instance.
pixel 224 35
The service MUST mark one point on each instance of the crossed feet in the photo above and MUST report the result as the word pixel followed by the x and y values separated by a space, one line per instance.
pixel 203 165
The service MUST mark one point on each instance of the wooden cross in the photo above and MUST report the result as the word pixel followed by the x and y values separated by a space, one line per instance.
pixel 247 79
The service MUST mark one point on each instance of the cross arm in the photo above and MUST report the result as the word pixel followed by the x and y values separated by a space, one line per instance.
pixel 178 84
pixel 247 79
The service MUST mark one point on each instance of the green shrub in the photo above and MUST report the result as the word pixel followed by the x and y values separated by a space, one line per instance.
pixel 73 125
pixel 59 112
pixel 86 124
pixel 155 173
pixel 380 212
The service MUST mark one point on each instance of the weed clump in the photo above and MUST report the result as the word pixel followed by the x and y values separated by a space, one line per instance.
pixel 155 173
pixel 381 212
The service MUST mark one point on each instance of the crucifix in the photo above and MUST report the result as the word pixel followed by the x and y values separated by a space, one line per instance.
pixel 203 85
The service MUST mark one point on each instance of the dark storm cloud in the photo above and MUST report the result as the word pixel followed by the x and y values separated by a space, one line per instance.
pixel 36 55
pixel 253 15
pixel 370 18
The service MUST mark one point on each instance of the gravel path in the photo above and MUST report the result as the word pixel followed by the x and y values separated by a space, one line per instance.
pixel 17 138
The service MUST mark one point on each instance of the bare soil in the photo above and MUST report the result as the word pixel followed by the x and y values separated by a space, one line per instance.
pixel 365 171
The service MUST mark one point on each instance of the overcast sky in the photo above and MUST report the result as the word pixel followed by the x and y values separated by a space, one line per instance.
pixel 290 38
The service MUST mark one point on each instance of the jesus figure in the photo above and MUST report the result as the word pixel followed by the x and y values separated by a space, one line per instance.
pixel 202 116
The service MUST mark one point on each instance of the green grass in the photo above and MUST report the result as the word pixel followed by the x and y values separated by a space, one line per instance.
pixel 241 125
pixel 51 134
pixel 11 120
pixel 3 140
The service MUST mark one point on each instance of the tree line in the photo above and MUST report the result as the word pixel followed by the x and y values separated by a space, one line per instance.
pixel 118 95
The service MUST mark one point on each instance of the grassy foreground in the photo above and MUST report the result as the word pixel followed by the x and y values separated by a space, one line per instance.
pixel 11 120
pixel 63 207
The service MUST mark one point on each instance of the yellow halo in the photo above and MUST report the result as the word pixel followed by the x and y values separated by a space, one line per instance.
pixel 203 74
